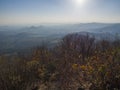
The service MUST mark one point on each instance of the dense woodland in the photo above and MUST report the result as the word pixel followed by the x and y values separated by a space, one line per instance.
pixel 77 62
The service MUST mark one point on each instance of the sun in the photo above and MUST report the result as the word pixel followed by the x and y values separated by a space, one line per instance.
pixel 79 2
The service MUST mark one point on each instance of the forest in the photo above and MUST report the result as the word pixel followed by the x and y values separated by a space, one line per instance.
pixel 77 62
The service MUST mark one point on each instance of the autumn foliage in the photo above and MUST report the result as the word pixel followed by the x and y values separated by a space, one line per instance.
pixel 78 61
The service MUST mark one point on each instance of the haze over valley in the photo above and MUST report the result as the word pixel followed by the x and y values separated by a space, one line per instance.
pixel 14 38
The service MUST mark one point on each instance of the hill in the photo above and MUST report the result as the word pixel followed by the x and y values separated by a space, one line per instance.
pixel 14 39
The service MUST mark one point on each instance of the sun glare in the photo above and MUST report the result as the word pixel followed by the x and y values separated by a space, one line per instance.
pixel 80 2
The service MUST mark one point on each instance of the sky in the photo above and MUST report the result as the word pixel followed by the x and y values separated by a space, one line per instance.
pixel 16 12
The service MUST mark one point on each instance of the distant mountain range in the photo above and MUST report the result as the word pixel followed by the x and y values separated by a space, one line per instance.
pixel 13 39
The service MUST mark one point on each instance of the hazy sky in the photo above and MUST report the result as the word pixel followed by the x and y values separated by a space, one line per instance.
pixel 58 11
